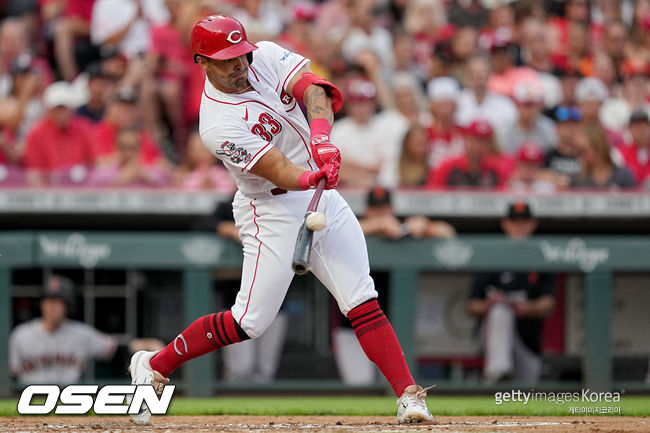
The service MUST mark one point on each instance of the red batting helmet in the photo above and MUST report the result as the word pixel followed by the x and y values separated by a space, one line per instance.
pixel 220 37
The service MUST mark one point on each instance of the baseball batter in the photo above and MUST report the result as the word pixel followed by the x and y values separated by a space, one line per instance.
pixel 250 119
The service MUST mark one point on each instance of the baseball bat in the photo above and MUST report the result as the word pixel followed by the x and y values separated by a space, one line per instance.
pixel 305 235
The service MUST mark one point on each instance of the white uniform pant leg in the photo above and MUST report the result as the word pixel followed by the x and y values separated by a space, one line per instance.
pixel 339 256
pixel 498 335
pixel 268 228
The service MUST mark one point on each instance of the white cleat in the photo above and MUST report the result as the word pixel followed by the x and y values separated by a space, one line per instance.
pixel 143 374
pixel 412 407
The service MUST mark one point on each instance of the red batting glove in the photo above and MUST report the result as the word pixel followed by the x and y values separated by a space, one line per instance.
pixel 323 151
pixel 310 179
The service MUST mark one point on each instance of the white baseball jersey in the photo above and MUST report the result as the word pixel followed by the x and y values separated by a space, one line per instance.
pixel 39 356
pixel 239 129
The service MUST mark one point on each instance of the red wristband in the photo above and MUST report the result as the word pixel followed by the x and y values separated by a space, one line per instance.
pixel 303 180
pixel 320 127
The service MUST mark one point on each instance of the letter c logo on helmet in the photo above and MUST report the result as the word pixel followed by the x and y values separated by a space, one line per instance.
pixel 220 37
pixel 235 37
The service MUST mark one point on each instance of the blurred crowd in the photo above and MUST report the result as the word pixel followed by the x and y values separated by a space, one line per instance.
pixel 527 95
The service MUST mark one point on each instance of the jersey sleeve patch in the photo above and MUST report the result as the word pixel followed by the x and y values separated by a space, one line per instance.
pixel 238 148
pixel 236 154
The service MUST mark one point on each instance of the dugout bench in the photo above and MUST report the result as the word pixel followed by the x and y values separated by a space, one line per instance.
pixel 196 255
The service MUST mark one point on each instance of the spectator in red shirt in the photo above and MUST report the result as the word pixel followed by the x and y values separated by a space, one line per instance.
pixel 58 149
pixel 121 113
pixel 578 54
pixel 576 14
pixel 480 166
pixel 445 137
pixel 636 153
pixel 125 167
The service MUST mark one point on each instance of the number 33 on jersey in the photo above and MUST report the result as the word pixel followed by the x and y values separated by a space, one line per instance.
pixel 267 127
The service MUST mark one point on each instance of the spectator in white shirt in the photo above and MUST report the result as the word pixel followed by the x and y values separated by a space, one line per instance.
pixel 476 102
pixel 369 146
pixel 615 112
pixel 532 124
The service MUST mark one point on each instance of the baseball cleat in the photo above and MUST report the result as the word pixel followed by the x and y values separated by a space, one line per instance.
pixel 412 407
pixel 143 374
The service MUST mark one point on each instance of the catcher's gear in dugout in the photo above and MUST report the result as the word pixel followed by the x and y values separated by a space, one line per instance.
pixel 220 37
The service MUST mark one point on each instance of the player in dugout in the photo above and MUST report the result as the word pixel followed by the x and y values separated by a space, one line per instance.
pixel 251 120
pixel 55 349
pixel 512 307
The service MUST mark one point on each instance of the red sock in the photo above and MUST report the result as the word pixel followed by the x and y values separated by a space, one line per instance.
pixel 380 344
pixel 206 334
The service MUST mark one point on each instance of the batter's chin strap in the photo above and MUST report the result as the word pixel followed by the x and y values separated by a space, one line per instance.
pixel 310 78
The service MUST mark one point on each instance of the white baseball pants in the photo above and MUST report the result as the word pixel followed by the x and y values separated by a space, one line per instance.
pixel 268 226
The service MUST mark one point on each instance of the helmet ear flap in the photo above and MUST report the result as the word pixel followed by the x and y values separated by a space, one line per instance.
pixel 249 57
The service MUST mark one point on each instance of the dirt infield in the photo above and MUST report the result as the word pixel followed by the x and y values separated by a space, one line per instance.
pixel 328 424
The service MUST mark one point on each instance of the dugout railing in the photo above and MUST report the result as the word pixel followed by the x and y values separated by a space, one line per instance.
pixel 197 255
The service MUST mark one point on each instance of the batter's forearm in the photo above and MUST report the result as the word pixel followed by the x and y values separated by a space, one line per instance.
pixel 318 104
pixel 277 168
pixel 289 178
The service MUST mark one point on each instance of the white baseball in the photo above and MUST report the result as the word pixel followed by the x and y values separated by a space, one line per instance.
pixel 316 221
